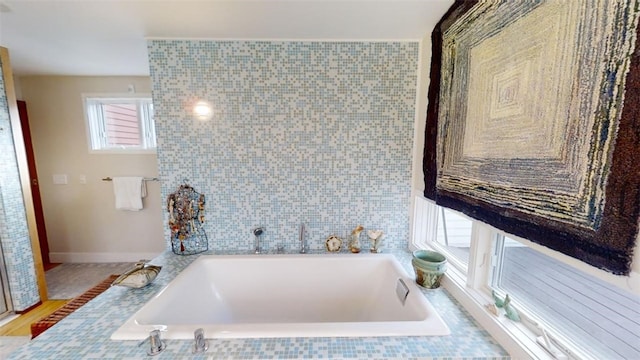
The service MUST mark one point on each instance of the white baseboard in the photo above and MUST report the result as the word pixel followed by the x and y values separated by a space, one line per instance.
pixel 70 257
pixel 8 319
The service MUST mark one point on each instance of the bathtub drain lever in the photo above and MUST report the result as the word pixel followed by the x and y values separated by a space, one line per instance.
pixel 402 290
pixel 200 343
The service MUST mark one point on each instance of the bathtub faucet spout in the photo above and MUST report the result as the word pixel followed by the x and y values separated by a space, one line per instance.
pixel 257 232
pixel 303 241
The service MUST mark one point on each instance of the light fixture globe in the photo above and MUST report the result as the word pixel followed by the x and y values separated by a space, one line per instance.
pixel 202 110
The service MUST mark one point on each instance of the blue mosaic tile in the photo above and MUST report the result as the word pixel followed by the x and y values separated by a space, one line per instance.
pixel 319 133
pixel 14 232
pixel 85 333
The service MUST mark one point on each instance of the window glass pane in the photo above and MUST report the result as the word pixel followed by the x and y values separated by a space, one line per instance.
pixel 454 233
pixel 120 124
pixel 123 127
pixel 592 313
pixel 149 126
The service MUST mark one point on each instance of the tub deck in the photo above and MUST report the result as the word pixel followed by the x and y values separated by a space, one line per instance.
pixel 85 333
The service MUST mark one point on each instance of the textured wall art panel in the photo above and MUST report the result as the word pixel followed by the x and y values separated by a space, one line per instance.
pixel 529 124
pixel 303 132
pixel 14 232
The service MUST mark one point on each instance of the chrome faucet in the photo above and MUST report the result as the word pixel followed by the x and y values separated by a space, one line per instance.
pixel 303 242
pixel 200 344
pixel 156 345
pixel 257 232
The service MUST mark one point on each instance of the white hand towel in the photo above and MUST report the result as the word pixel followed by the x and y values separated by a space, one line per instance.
pixel 129 192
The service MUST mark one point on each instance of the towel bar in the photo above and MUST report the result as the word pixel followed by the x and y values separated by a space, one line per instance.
pixel 145 179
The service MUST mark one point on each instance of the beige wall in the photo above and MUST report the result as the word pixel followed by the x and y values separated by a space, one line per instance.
pixel 81 220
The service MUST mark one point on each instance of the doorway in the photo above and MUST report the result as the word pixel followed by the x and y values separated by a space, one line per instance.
pixel 33 181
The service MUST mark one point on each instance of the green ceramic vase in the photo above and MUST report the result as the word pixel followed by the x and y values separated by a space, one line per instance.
pixel 429 267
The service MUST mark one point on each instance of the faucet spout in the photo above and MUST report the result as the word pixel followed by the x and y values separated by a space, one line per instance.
pixel 303 241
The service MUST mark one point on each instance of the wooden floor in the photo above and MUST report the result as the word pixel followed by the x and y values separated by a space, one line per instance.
pixel 21 326
pixel 584 306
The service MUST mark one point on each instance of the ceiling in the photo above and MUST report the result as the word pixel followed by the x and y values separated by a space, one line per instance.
pixel 108 37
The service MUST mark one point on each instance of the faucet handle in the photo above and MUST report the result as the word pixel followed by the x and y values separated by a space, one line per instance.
pixel 156 345
pixel 200 343
pixel 303 242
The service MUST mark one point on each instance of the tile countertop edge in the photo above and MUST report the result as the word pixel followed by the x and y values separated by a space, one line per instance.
pixel 86 332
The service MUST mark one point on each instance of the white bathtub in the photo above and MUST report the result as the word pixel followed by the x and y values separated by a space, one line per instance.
pixel 264 296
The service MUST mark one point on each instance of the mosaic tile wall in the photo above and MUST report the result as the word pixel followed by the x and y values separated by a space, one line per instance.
pixel 303 132
pixel 14 232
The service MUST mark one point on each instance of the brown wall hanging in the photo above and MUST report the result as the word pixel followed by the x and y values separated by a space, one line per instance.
pixel 533 123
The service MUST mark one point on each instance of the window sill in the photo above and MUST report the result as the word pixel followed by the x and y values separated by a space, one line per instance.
pixel 519 342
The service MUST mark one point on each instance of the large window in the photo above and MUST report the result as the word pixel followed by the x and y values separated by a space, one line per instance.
pixel 589 312
pixel 120 124
pixel 565 312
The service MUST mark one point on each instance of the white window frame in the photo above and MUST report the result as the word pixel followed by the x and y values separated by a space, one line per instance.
pixel 96 138
pixel 470 285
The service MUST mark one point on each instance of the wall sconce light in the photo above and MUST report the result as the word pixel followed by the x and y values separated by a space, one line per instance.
pixel 202 110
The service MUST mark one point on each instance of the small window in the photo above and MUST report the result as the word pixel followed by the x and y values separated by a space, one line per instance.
pixel 600 318
pixel 444 230
pixel 120 124
pixel 454 233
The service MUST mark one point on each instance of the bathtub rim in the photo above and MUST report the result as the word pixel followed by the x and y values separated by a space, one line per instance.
pixel 132 330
